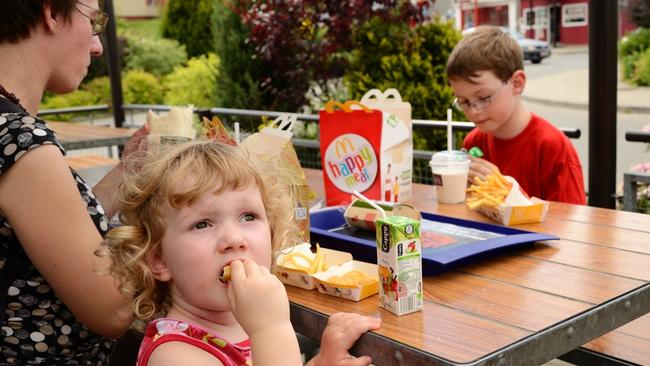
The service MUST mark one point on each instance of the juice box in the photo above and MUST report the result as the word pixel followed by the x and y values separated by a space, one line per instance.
pixel 399 260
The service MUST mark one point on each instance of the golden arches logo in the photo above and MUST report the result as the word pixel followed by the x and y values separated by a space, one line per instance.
pixel 343 146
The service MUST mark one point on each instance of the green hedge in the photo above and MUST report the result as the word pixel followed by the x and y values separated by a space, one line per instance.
pixel 155 56
pixel 189 23
pixel 193 84
pixel 412 60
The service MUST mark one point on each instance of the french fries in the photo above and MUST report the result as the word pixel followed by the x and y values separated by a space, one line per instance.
pixel 305 262
pixel 352 278
pixel 491 192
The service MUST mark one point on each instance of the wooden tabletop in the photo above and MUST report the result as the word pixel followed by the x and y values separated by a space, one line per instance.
pixel 525 306
pixel 81 136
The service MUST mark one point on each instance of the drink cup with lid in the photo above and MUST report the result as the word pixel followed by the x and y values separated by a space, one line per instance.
pixel 450 170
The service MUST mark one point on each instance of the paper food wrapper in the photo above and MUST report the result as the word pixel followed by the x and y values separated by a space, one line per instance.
pixel 273 145
pixel 517 208
pixel 301 278
pixel 355 292
pixel 172 128
pixel 361 215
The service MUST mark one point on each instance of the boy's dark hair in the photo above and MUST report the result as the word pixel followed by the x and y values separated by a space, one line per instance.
pixel 20 17
pixel 488 48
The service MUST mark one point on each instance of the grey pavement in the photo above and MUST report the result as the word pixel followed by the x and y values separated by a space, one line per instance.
pixel 570 88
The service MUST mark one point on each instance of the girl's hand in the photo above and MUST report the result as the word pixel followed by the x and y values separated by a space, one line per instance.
pixel 342 330
pixel 480 168
pixel 257 298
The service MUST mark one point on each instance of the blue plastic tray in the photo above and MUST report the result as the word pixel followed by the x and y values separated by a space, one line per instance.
pixel 329 229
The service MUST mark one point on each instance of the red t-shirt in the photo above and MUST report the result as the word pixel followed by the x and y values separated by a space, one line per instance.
pixel 541 158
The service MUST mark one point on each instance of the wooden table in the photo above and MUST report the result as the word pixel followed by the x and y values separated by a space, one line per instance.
pixel 522 307
pixel 81 136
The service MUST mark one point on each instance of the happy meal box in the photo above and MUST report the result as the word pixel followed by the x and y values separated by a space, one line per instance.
pixel 366 150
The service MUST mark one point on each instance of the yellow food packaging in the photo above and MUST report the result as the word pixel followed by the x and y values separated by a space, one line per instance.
pixel 296 266
pixel 516 207
pixel 337 280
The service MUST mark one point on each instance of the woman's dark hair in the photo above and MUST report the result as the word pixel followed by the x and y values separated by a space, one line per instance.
pixel 20 17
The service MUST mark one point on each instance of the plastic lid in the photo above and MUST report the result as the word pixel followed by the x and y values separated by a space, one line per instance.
pixel 453 157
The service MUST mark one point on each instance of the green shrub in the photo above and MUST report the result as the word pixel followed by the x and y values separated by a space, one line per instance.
pixel 193 84
pixel 634 42
pixel 100 88
pixel 188 22
pixel 642 69
pixel 238 80
pixel 628 64
pixel 156 56
pixel 412 60
pixel 141 87
pixel 75 99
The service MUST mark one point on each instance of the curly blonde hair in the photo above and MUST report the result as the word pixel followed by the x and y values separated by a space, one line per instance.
pixel 178 177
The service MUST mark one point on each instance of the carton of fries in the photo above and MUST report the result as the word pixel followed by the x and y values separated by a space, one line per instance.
pixel 501 199
pixel 296 266
pixel 352 280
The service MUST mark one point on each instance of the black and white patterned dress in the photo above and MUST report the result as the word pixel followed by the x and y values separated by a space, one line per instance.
pixel 37 328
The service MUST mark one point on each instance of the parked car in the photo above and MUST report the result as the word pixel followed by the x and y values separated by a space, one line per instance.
pixel 534 50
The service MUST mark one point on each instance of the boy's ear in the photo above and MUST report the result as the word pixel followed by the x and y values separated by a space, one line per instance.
pixel 49 20
pixel 158 267
pixel 519 81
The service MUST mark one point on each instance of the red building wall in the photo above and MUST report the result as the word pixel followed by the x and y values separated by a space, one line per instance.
pixel 575 35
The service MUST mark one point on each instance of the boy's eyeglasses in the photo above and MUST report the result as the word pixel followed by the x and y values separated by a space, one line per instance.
pixel 98 22
pixel 480 104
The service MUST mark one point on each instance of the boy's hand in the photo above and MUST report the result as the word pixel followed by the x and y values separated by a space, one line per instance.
pixel 342 330
pixel 257 298
pixel 480 168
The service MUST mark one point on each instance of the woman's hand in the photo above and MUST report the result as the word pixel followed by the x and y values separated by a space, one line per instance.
pixel 138 142
pixel 257 298
pixel 480 168
pixel 342 330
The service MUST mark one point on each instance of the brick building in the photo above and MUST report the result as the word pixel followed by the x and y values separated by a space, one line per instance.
pixel 555 21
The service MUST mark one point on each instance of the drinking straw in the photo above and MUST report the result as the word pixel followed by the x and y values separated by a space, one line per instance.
pixel 374 205
pixel 236 127
pixel 449 147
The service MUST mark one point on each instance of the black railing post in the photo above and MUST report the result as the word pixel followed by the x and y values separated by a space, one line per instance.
pixel 114 65
pixel 603 35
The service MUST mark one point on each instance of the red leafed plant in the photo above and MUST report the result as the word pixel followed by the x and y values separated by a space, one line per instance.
pixel 302 42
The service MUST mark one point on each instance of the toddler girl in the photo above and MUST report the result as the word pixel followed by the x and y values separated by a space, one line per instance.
pixel 188 213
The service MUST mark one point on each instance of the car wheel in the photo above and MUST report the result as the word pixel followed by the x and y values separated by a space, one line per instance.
pixel 536 60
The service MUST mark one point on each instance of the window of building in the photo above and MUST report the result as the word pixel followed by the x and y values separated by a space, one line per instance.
pixel 574 15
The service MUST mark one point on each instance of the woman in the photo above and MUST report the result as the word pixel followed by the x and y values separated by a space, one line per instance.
pixel 56 308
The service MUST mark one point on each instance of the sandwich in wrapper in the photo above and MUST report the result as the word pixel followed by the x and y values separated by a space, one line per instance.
pixel 171 128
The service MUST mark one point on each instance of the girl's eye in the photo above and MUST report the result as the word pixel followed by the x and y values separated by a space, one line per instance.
pixel 248 217
pixel 200 225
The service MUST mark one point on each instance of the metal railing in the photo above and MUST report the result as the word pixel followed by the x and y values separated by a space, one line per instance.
pixel 308 151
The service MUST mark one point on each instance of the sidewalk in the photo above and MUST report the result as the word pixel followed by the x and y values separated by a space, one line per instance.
pixel 571 89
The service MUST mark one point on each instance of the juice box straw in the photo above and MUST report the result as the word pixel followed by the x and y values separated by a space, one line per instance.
pixel 449 133
pixel 374 205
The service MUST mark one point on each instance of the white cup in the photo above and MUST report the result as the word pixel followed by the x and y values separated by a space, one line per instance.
pixel 450 170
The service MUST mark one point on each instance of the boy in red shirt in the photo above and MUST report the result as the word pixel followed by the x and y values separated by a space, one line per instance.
pixel 486 72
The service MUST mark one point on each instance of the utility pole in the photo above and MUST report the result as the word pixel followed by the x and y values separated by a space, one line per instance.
pixel 114 71
pixel 603 37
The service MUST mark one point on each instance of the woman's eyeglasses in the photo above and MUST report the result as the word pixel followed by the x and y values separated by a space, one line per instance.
pixel 98 22
pixel 480 104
